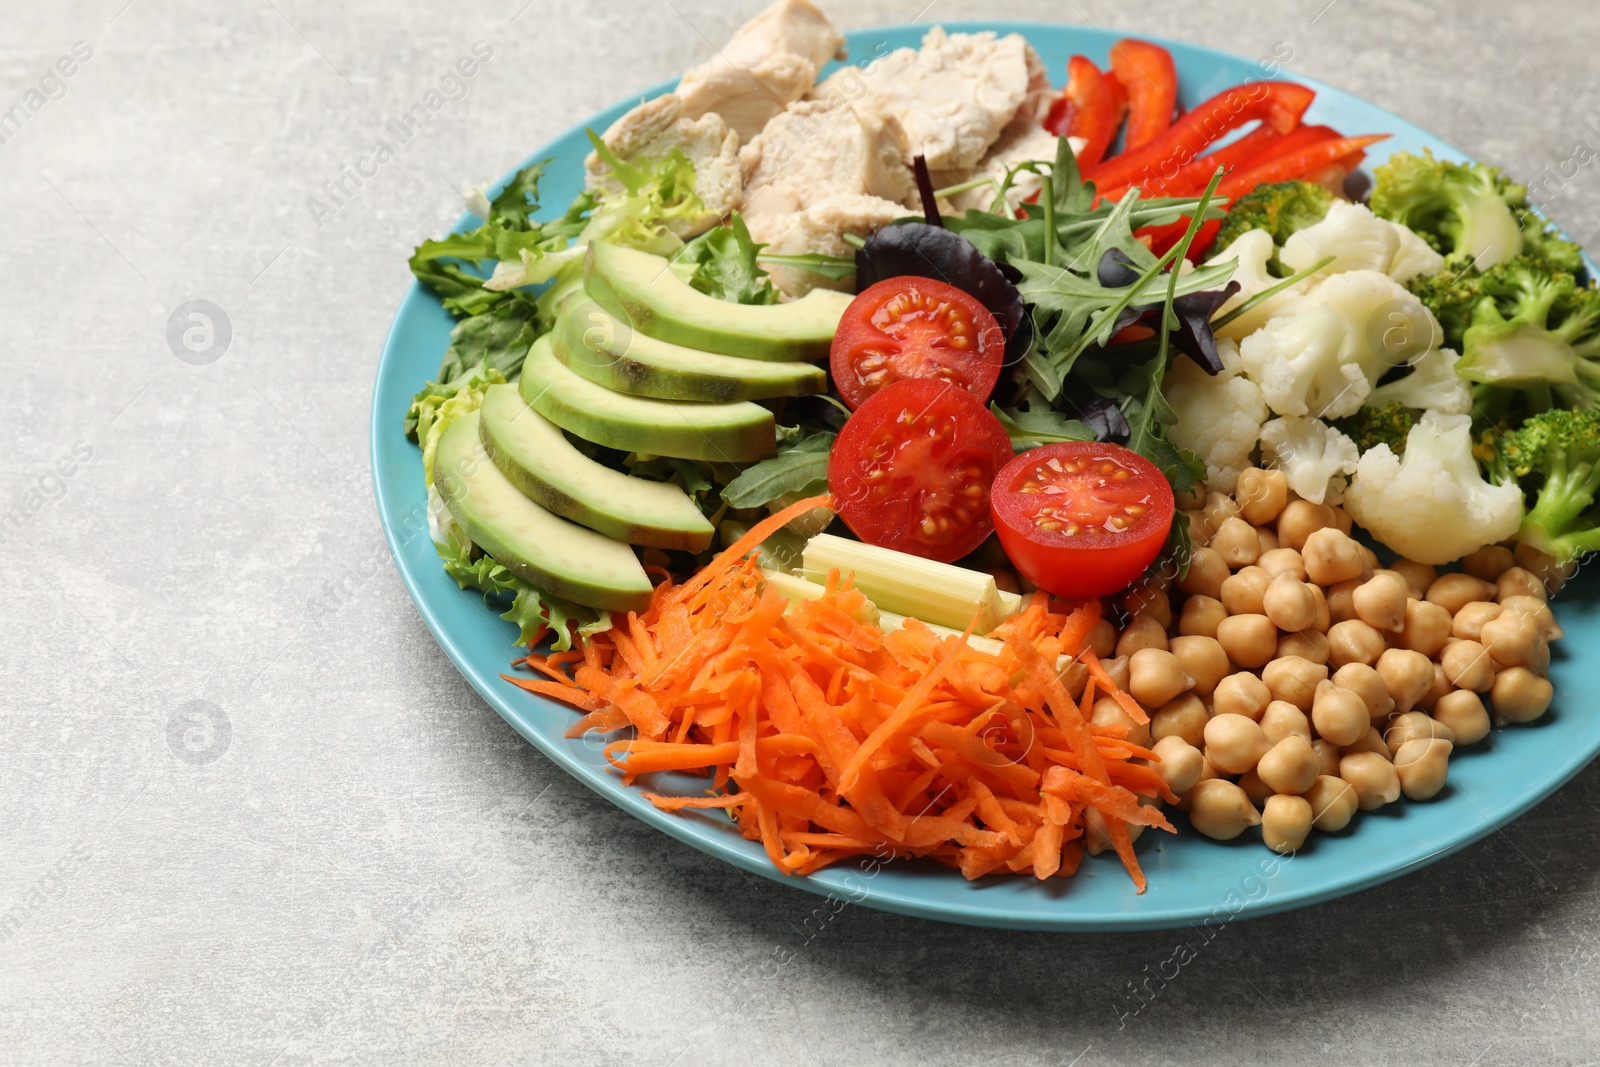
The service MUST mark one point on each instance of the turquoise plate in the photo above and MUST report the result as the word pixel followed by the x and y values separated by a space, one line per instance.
pixel 1192 880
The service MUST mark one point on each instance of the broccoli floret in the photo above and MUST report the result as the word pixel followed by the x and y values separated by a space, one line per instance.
pixel 1386 425
pixel 1470 209
pixel 1280 208
pixel 1554 457
pixel 1451 294
pixel 1532 342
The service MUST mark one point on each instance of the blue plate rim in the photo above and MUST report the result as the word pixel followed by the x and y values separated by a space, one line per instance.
pixel 848 883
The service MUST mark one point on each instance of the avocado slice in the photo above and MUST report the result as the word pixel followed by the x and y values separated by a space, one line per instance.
pixel 721 433
pixel 601 347
pixel 539 460
pixel 558 556
pixel 641 289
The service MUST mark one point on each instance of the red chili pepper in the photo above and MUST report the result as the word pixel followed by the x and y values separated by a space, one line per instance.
pixel 1296 164
pixel 1146 73
pixel 1278 105
pixel 1086 108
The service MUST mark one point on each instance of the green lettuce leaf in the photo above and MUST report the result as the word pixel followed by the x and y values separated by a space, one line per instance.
pixel 432 412
pixel 724 262
pixel 532 610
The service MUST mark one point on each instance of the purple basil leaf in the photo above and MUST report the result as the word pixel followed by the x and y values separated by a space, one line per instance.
pixel 1194 337
pixel 1105 418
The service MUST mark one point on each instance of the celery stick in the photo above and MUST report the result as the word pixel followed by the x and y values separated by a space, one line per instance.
pixel 910 585
pixel 797 590
pixel 1072 673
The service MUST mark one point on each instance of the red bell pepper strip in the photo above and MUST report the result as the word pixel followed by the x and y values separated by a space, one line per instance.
pixel 1296 139
pixel 1161 238
pixel 1146 72
pixel 1278 105
pixel 1192 179
pixel 1086 108
pixel 1295 164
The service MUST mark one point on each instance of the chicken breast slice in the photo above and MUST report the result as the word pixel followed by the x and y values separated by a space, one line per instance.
pixel 770 62
pixel 955 94
pixel 652 131
pixel 820 226
pixel 1024 140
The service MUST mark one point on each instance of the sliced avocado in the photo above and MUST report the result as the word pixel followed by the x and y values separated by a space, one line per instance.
pixel 721 433
pixel 558 556
pixel 537 457
pixel 641 289
pixel 601 347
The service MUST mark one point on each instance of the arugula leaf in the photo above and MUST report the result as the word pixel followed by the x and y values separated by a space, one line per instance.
pixel 686 472
pixel 724 260
pixel 800 469
pixel 1032 427
pixel 534 611
pixel 513 208
pixel 837 268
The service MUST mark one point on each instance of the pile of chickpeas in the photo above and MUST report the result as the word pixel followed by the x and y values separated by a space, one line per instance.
pixel 1291 681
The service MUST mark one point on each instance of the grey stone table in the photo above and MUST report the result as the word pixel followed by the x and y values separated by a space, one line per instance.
pixel 251 814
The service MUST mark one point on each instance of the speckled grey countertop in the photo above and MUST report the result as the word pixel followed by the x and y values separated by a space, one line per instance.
pixel 354 859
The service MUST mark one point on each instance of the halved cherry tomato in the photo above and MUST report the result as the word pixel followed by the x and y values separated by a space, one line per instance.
pixel 1082 518
pixel 912 469
pixel 912 327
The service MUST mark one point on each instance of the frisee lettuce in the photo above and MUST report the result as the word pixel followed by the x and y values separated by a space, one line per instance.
pixel 533 610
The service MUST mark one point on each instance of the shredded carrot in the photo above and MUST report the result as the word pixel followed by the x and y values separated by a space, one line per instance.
pixel 825 738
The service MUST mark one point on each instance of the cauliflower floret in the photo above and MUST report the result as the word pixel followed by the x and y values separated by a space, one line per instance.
pixel 1253 249
pixel 1322 354
pixel 1218 417
pixel 1432 385
pixel 1313 455
pixel 1432 505
pixel 1359 240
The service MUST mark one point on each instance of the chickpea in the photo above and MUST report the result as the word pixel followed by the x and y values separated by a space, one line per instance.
pixel 1142 632
pixel 1219 508
pixel 1513 639
pixel 1241 694
pixel 1366 682
pixel 1426 629
pixel 1202 659
pixel 1235 540
pixel 1540 611
pixel 1341 600
pixel 1283 561
pixel 1468 622
pixel 1191 498
pixel 1342 520
pixel 1519 582
pixel 1308 644
pixel 1353 641
pixel 1333 803
pixel 1468 666
pixel 1199 527
pixel 1289 603
pixel 1373 778
pixel 1380 601
pixel 1103 638
pixel 1254 788
pixel 1440 688
pixel 1488 562
pixel 1201 616
pixel 1543 567
pixel 1234 743
pixel 1184 717
pixel 1519 695
pixel 1339 715
pixel 1242 593
pixel 1371 741
pixel 1180 764
pixel 1282 719
pixel 1249 640
pixel 1419 576
pixel 1324 618
pixel 1463 712
pixel 1331 556
pixel 1290 766
pixel 1207 571
pixel 1328 755
pixel 1299 520
pixel 1107 712
pixel 1262 494
pixel 1422 766
pixel 1155 676
pixel 1267 539
pixel 1414 725
pixel 1074 677
pixel 1221 810
pixel 1294 680
pixel 1285 823
pixel 1117 670
pixel 1452 592
pixel 1407 675
pixel 1151 600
